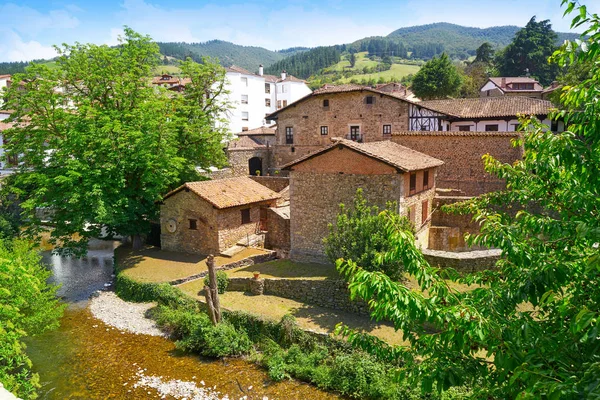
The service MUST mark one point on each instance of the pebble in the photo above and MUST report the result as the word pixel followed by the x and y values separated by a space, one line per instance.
pixel 125 316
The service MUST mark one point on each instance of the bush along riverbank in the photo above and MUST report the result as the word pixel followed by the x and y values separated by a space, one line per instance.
pixel 285 350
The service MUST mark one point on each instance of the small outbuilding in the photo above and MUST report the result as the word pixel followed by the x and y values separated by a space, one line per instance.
pixel 385 171
pixel 211 216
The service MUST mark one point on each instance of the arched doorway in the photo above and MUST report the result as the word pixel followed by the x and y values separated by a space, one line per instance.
pixel 255 166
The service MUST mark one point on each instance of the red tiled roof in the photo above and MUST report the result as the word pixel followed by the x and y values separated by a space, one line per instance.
pixel 159 80
pixel 244 143
pixel 487 107
pixel 455 133
pixel 391 153
pixel 239 70
pixel 503 82
pixel 5 125
pixel 4 76
pixel 263 130
pixel 231 192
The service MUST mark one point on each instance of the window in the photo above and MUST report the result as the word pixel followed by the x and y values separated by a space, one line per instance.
pixel 413 183
pixel 283 89
pixel 554 126
pixel 285 103
pixel 278 104
pixel 244 115
pixel 193 224
pixel 289 135
pixel 424 211
pixel 355 133
pixel 515 127
pixel 267 88
pixel 244 81
pixel 244 129
pixel 464 128
pixel 246 216
pixel 267 102
pixel 324 130
pixel 370 100
pixel 491 128
pixel 411 214
pixel 326 103
pixel 426 180
pixel 244 99
pixel 387 129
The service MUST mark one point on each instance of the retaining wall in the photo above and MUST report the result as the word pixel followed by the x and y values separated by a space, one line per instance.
pixel 465 262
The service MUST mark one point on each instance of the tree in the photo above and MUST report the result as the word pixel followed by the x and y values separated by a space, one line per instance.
pixel 484 53
pixel 28 306
pixel 474 76
pixel 359 235
pixel 529 53
pixel 352 60
pixel 99 145
pixel 531 329
pixel 437 79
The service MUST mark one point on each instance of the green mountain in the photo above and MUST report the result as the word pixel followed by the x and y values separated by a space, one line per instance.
pixel 458 41
pixel 248 57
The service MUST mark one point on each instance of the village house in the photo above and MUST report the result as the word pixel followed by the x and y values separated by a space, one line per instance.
pixel 385 171
pixel 511 86
pixel 249 154
pixel 166 80
pixel 254 96
pixel 212 216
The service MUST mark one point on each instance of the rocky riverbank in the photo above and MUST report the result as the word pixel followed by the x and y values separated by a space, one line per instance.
pixel 125 316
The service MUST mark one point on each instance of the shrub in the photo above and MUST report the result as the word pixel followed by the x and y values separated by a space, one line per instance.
pixel 222 281
pixel 217 341
pixel 130 290
pixel 179 323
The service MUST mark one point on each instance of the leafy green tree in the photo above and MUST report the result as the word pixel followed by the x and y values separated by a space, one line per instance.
pixel 28 306
pixel 531 329
pixel 437 79
pixel 352 60
pixel 529 53
pixel 100 146
pixel 484 53
pixel 474 76
pixel 360 234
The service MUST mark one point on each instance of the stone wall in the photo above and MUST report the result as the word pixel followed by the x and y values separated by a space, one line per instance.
pixel 315 200
pixel 462 154
pixel 231 229
pixel 465 262
pixel 238 160
pixel 345 110
pixel 332 294
pixel 275 183
pixel 182 207
pixel 278 229
pixel 448 230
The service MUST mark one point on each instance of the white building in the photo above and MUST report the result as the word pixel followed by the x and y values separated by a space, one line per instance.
pixel 253 96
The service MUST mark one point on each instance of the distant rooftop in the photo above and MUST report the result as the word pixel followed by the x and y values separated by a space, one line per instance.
pixel 486 107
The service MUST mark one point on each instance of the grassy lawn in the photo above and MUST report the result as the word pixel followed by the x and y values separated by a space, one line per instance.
pixel 361 62
pixel 396 72
pixel 154 265
pixel 287 269
pixel 167 69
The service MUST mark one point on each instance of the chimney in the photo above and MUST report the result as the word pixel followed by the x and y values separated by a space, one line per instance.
pixel 503 84
pixel 283 75
pixel 260 70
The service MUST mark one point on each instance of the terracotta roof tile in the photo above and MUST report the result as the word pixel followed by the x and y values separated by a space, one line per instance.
pixel 263 130
pixel 391 153
pixel 5 125
pixel 159 80
pixel 239 70
pixel 4 76
pixel 503 82
pixel 486 107
pixel 455 133
pixel 231 192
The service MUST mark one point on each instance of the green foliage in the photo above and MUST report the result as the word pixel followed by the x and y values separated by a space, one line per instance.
pixel 221 340
pixel 179 323
pixel 131 290
pixel 474 76
pixel 222 281
pixel 437 79
pixel 360 234
pixel 28 306
pixel 248 57
pixel 306 63
pixel 529 52
pixel 101 151
pixel 532 330
pixel 484 53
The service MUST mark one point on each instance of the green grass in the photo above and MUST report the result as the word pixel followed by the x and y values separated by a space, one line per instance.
pixel 344 64
pixel 167 69
pixel 287 269
pixel 396 73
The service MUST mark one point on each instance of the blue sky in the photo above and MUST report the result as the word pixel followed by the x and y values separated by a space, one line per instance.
pixel 29 28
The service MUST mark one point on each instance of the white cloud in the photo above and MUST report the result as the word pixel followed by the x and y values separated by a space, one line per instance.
pixel 28 21
pixel 14 48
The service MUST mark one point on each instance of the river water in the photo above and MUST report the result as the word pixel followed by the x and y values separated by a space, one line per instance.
pixel 86 359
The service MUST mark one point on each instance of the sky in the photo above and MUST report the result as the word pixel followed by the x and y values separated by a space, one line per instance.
pixel 29 28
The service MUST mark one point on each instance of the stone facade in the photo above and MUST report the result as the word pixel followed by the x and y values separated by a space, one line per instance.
pixel 462 154
pixel 345 109
pixel 275 183
pixel 448 230
pixel 278 230
pixel 464 262
pixel 239 159
pixel 215 229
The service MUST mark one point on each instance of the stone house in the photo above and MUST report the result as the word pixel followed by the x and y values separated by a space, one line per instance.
pixel 385 171
pixel 211 216
pixel 352 112
pixel 250 153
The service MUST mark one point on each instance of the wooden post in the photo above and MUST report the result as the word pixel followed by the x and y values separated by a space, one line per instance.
pixel 212 277
pixel 209 303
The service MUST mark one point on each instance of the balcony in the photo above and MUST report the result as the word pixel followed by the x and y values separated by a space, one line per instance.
pixel 356 137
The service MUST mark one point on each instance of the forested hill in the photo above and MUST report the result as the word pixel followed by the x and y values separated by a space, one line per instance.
pixel 307 63
pixel 248 57
pixel 460 41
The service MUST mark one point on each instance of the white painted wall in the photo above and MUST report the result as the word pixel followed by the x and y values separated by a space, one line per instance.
pixel 503 126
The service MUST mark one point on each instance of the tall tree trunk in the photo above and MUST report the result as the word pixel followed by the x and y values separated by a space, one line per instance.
pixel 136 241
pixel 214 292
pixel 209 303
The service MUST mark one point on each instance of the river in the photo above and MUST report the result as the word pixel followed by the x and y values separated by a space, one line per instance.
pixel 86 359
